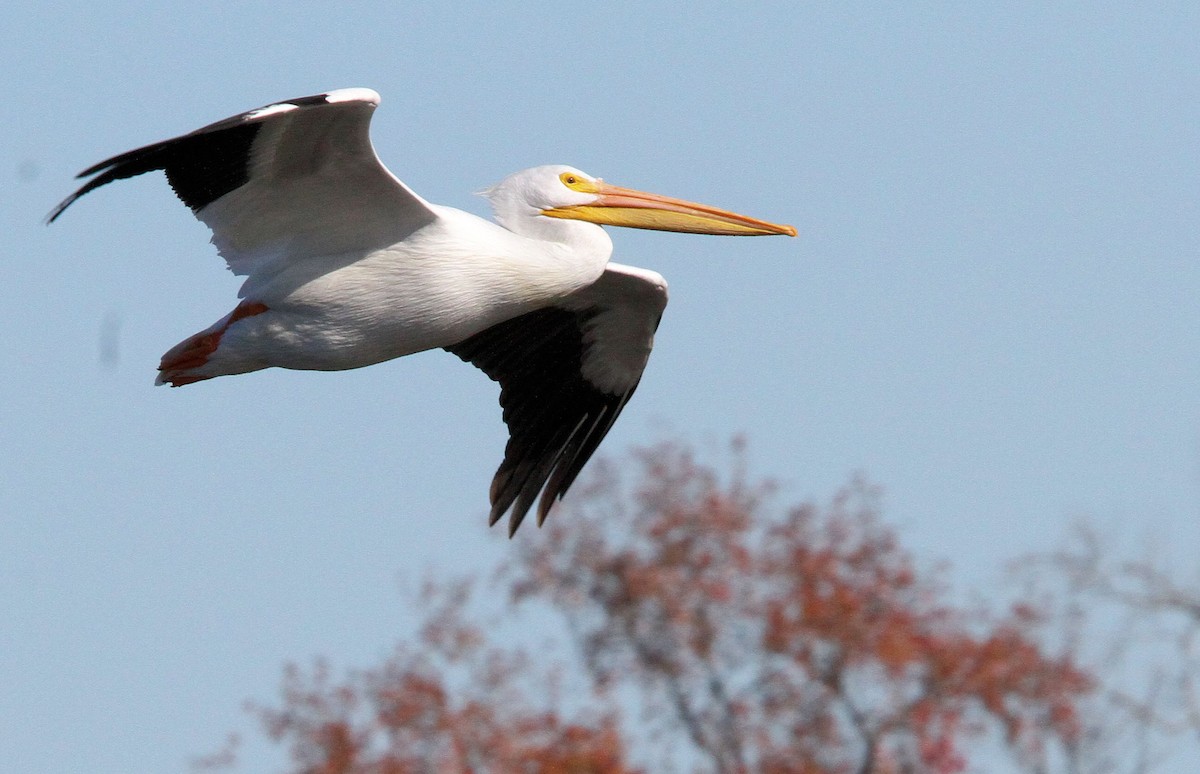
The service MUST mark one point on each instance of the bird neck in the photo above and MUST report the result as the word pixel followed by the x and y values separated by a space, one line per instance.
pixel 567 252
pixel 575 251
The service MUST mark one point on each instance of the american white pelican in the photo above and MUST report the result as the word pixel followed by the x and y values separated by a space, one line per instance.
pixel 345 266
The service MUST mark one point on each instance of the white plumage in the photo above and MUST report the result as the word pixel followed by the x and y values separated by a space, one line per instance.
pixel 346 266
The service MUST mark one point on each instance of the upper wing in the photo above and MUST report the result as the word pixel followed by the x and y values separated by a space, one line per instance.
pixel 297 178
pixel 565 373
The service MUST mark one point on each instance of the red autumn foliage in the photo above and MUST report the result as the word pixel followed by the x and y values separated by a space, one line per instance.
pixel 808 642
pixel 719 635
pixel 450 702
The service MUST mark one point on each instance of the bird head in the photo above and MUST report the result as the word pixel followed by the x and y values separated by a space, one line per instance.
pixel 562 192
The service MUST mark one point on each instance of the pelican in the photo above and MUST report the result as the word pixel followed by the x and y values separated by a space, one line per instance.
pixel 346 266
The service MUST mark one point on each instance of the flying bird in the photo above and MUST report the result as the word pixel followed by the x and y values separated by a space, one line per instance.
pixel 346 266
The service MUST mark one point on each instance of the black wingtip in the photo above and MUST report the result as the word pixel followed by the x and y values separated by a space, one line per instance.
pixel 544 511
pixel 556 416
pixel 87 187
pixel 58 210
pixel 201 166
pixel 514 521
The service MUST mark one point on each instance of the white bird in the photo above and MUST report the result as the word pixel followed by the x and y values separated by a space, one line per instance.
pixel 346 266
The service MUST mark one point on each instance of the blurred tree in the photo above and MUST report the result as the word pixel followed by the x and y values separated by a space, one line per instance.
pixel 717 634
pixel 1137 623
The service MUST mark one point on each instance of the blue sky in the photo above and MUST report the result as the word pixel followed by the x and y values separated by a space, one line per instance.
pixel 992 310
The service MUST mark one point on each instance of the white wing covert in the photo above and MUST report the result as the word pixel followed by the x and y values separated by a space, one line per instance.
pixel 295 179
pixel 565 374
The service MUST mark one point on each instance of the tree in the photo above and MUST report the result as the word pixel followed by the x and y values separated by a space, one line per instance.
pixel 717 633
pixel 1136 622
pixel 447 702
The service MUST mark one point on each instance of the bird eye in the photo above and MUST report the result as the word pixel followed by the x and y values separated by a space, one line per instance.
pixel 577 182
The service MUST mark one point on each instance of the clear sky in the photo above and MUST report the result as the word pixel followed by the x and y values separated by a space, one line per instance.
pixel 993 310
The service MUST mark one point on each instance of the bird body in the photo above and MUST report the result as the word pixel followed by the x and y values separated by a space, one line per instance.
pixel 448 280
pixel 346 266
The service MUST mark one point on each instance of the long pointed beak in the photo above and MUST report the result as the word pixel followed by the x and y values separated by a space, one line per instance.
pixel 617 206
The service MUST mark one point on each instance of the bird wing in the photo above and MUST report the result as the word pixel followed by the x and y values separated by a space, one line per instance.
pixel 565 374
pixel 294 179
